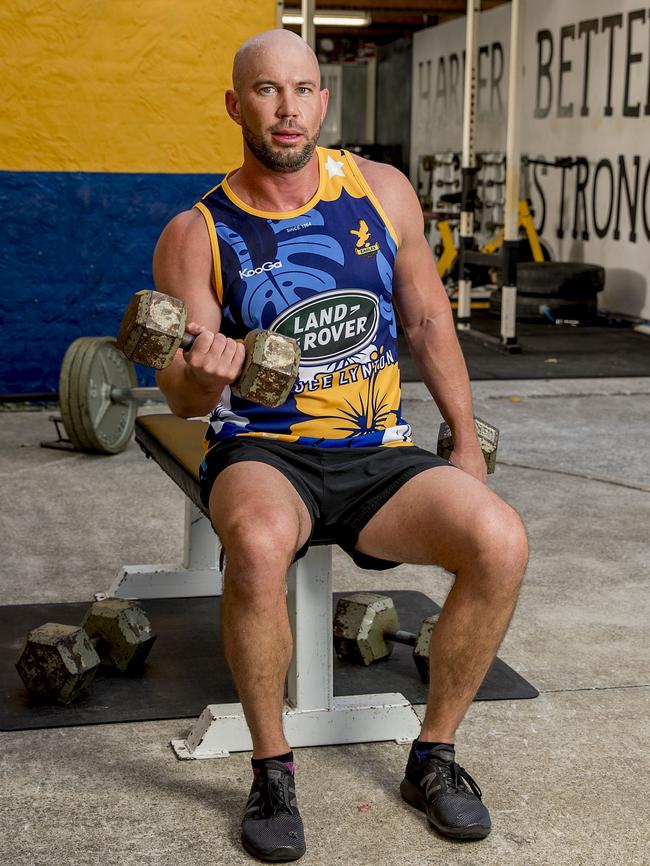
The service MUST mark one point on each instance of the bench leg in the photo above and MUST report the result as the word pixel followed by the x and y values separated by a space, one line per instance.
pixel 198 575
pixel 312 715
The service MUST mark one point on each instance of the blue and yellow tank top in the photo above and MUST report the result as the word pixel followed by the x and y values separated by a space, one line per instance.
pixel 321 274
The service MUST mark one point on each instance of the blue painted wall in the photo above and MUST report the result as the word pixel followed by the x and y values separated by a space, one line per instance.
pixel 73 249
pixel 113 120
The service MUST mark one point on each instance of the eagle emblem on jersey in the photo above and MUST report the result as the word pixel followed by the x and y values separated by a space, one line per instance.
pixel 362 234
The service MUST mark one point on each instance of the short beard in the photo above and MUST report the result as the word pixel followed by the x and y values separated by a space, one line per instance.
pixel 286 161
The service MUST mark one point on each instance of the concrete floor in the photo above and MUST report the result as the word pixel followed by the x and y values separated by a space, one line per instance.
pixel 566 776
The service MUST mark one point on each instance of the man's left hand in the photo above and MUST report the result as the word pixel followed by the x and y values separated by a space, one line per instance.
pixel 471 460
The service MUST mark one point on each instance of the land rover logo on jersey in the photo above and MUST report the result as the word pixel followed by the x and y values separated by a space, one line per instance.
pixel 331 325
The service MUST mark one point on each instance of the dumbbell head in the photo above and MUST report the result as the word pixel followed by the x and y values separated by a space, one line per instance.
pixel 122 631
pixel 422 644
pixel 359 625
pixel 58 662
pixel 488 437
pixel 270 369
pixel 152 329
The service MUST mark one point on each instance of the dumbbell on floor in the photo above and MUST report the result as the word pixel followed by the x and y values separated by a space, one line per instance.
pixel 366 626
pixel 59 662
pixel 153 329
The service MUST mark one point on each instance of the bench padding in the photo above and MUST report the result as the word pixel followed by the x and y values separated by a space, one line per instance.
pixel 177 446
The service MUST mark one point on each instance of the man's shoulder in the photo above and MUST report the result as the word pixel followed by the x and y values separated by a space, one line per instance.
pixel 185 233
pixel 394 192
pixel 186 224
pixel 380 173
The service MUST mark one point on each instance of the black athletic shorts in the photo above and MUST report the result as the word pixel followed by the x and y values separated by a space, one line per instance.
pixel 341 487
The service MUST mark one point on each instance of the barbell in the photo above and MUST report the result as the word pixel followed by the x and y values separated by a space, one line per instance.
pixel 98 397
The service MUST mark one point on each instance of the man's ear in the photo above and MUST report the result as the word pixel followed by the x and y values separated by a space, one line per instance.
pixel 324 98
pixel 232 105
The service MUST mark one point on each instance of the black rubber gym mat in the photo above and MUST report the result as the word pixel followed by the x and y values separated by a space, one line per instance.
pixel 186 670
pixel 549 352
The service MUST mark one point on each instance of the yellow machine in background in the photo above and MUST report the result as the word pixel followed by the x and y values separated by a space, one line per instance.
pixel 440 171
pixel 446 250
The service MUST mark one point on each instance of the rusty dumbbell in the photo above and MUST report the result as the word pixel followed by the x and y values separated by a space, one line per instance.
pixel 59 662
pixel 488 437
pixel 153 329
pixel 366 626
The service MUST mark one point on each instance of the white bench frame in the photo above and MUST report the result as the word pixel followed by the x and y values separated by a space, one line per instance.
pixel 197 575
pixel 312 715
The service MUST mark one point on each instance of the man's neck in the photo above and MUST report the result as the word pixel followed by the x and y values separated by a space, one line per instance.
pixel 275 191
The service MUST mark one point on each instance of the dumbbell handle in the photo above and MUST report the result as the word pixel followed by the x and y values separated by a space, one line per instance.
pixel 401 636
pixel 187 341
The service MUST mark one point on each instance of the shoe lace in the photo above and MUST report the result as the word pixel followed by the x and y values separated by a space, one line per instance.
pixel 459 776
pixel 276 800
pixel 456 777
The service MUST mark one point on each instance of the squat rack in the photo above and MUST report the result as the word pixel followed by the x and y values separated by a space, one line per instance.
pixel 506 260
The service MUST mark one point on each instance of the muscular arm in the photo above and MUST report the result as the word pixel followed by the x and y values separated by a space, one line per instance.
pixel 425 314
pixel 182 267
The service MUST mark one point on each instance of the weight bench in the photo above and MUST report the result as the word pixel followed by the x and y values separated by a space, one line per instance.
pixel 312 716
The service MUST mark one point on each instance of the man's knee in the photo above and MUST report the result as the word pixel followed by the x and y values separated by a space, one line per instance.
pixel 259 546
pixel 499 540
pixel 514 543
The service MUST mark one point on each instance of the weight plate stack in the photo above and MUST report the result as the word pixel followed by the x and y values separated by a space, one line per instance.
pixel 529 308
pixel 571 281
pixel 68 388
pixel 95 422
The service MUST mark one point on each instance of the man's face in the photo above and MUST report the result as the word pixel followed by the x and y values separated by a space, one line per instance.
pixel 280 108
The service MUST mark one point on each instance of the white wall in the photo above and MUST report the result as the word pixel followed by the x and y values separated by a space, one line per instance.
pixel 596 108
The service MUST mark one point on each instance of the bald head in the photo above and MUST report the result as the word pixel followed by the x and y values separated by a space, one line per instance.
pixel 269 46
pixel 277 100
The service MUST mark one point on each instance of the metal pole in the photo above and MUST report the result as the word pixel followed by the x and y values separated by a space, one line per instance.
pixel 468 168
pixel 511 217
pixel 371 99
pixel 279 12
pixel 308 30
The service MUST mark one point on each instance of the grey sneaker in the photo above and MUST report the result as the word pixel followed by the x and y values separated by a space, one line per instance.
pixel 447 794
pixel 272 827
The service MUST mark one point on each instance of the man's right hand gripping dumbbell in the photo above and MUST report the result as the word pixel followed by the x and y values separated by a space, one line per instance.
pixel 153 329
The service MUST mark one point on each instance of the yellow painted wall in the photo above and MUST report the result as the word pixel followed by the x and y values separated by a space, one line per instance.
pixel 121 85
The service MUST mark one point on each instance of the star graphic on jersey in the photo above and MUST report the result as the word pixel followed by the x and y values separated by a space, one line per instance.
pixel 334 167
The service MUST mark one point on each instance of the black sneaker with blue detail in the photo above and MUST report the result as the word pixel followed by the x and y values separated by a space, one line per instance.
pixel 272 827
pixel 436 785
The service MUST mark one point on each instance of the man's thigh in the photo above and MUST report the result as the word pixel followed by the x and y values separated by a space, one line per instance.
pixel 435 518
pixel 254 503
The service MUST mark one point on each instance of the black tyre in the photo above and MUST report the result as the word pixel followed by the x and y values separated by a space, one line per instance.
pixel 573 281
pixel 529 309
pixel 525 253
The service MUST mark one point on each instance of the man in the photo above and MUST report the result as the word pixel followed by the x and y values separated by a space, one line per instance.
pixel 319 244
